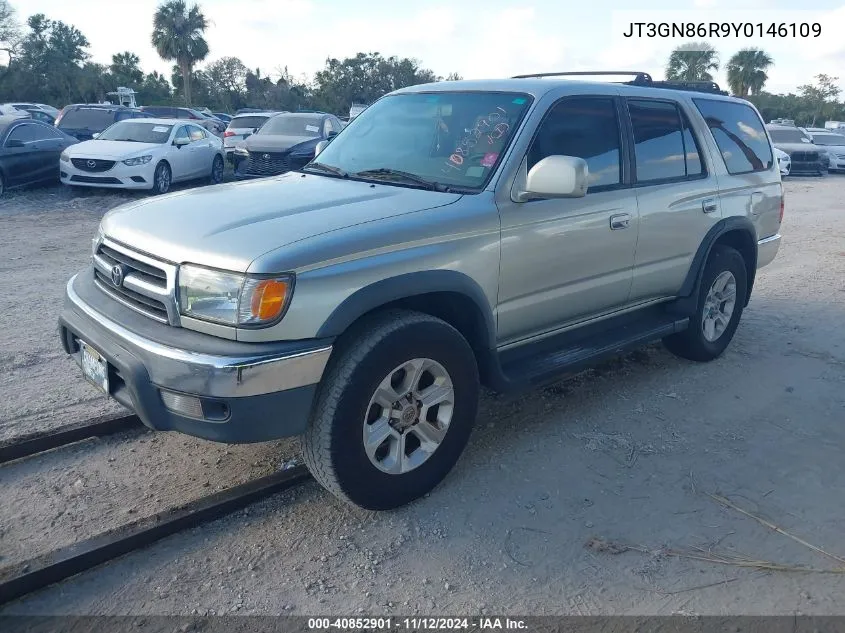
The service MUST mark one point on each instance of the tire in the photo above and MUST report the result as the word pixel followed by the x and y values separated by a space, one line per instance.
pixel 347 410
pixel 217 169
pixel 699 342
pixel 162 179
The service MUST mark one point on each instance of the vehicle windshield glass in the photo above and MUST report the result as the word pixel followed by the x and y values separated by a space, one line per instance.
pixel 292 126
pixel 137 132
pixel 789 136
pixel 88 118
pixel 828 139
pixel 247 122
pixel 452 138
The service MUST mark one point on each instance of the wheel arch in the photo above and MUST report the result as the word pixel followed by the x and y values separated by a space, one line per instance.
pixel 739 233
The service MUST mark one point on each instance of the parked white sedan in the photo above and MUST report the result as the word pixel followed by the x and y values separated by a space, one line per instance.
pixel 144 154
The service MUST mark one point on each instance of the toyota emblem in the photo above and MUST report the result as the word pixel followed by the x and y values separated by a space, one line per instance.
pixel 91 163
pixel 266 157
pixel 117 275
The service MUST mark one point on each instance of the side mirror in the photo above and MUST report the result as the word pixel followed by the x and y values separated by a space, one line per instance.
pixel 556 177
pixel 95 135
pixel 180 142
pixel 320 147
pixel 14 143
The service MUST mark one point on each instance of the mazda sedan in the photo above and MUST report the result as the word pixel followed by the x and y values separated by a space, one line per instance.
pixel 144 154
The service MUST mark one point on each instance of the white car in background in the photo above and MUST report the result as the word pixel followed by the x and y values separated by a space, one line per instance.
pixel 242 126
pixel 144 154
pixel 784 162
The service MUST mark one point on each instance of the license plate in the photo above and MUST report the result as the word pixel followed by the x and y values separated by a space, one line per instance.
pixel 94 367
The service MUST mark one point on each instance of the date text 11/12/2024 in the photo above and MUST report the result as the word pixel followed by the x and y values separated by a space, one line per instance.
pixel 415 624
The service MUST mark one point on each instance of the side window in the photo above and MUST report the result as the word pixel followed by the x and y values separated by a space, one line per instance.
pixel 23 133
pixel 336 125
pixel 182 114
pixel 43 133
pixel 664 147
pixel 182 133
pixel 586 127
pixel 739 134
pixel 197 134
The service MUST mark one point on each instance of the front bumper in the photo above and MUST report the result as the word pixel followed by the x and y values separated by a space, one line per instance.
pixel 767 249
pixel 812 167
pixel 118 177
pixel 249 392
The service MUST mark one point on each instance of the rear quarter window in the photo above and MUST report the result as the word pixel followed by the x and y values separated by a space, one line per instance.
pixel 739 134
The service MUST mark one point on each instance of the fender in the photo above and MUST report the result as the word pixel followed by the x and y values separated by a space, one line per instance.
pixel 405 286
pixel 688 295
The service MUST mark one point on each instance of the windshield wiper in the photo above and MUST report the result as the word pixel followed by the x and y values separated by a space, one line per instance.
pixel 419 180
pixel 329 169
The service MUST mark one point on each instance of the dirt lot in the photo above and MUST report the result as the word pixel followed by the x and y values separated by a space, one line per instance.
pixel 588 497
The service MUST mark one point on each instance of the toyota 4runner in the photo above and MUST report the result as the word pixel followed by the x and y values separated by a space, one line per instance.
pixel 458 234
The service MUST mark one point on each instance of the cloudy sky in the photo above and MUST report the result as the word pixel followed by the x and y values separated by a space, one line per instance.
pixel 478 39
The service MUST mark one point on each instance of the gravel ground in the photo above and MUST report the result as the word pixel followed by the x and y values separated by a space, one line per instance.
pixel 589 497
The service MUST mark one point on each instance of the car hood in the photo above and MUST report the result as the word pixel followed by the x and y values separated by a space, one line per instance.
pixel 109 149
pixel 229 226
pixel 276 143
pixel 789 148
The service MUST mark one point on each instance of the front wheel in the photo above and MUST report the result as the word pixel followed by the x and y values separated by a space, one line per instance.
pixel 217 168
pixel 394 411
pixel 721 299
pixel 162 178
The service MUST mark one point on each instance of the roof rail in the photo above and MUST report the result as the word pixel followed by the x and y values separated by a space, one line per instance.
pixel 640 79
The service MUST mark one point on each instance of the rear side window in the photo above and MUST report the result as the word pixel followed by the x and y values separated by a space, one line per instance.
pixel 664 146
pixel 739 134
pixel 586 127
pixel 247 122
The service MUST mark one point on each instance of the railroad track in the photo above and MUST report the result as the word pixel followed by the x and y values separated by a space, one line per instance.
pixel 42 571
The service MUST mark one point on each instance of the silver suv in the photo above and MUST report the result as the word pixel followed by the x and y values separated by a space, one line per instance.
pixel 457 234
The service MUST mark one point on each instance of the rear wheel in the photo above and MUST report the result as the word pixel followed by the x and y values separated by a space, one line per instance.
pixel 394 411
pixel 217 168
pixel 161 178
pixel 721 299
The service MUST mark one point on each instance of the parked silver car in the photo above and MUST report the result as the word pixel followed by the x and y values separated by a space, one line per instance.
pixel 242 126
pixel 833 144
pixel 457 234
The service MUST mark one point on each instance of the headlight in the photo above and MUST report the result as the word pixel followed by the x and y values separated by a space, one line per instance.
pixel 64 157
pixel 233 298
pixel 240 150
pixel 138 160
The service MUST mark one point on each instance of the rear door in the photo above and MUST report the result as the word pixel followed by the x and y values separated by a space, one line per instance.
pixel 200 151
pixel 678 200
pixel 48 145
pixel 181 164
pixel 749 178
pixel 21 158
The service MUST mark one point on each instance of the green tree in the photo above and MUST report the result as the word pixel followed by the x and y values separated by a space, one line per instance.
pixel 200 87
pixel 821 96
pixel 747 71
pixel 126 70
pixel 10 30
pixel 155 90
pixel 226 78
pixel 692 62
pixel 178 36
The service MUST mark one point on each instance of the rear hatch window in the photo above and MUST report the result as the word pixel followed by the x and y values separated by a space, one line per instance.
pixel 247 122
pixel 93 119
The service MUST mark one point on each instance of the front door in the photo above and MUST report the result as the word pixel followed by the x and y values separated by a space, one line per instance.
pixel 566 260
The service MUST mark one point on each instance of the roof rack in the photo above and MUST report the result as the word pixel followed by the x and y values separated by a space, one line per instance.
pixel 640 79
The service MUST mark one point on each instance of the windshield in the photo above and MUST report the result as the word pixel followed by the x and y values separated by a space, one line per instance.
pixel 247 122
pixel 452 138
pixel 788 136
pixel 828 139
pixel 137 132
pixel 292 126
pixel 89 118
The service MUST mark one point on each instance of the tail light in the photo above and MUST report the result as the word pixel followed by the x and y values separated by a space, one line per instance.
pixel 228 133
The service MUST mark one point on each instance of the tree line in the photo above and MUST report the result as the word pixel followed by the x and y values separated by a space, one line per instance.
pixel 47 61
pixel 746 73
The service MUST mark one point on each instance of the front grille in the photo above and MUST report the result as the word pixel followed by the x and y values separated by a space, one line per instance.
pixel 140 285
pixel 92 164
pixel 96 180
pixel 268 163
pixel 805 157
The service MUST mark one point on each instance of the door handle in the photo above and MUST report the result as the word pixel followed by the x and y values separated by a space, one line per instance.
pixel 619 221
pixel 710 205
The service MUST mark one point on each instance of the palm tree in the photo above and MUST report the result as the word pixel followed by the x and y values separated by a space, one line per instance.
pixel 747 71
pixel 178 36
pixel 692 62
